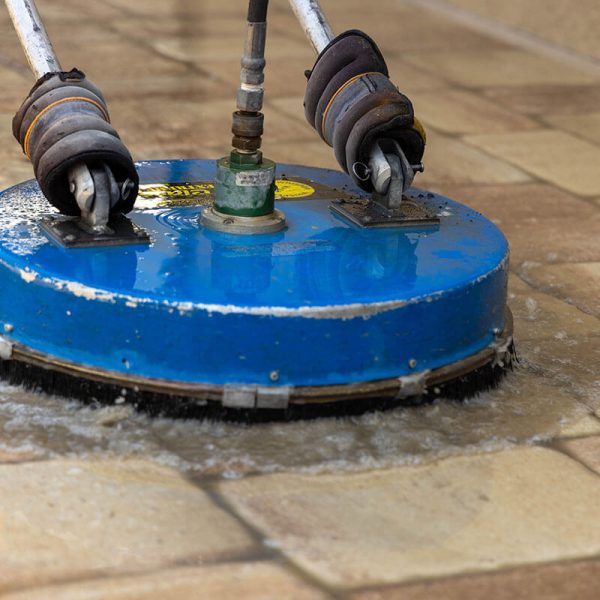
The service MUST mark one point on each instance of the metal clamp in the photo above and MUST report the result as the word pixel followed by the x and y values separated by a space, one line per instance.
pixel 252 396
pixel 6 349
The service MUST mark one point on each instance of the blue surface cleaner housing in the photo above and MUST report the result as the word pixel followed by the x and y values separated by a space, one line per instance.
pixel 322 312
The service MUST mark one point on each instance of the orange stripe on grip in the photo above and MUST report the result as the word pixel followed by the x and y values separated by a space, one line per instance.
pixel 339 92
pixel 62 101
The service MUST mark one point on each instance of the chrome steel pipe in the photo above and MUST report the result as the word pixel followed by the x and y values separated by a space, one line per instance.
pixel 314 23
pixel 33 37
pixel 250 95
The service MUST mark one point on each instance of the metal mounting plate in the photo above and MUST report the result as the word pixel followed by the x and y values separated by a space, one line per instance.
pixel 367 213
pixel 71 233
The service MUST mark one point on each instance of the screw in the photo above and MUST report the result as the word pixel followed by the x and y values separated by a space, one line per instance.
pixel 412 363
pixel 274 375
pixel 8 327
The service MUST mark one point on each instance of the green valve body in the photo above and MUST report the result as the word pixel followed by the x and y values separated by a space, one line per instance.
pixel 245 185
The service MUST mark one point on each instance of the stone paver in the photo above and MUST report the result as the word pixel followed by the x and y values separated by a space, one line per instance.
pixel 571 362
pixel 587 425
pixel 532 407
pixel 541 316
pixel 16 82
pixel 250 581
pixel 555 21
pixel 462 514
pixel 427 31
pixel 577 283
pixel 558 157
pixel 194 125
pixel 9 148
pixel 556 581
pixel 549 99
pixel 586 450
pixel 584 125
pixel 200 48
pixel 449 161
pixel 542 223
pixel 15 170
pixel 73 519
pixel 457 111
pixel 488 68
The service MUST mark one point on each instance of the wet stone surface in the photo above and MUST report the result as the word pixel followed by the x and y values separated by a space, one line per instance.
pixel 534 403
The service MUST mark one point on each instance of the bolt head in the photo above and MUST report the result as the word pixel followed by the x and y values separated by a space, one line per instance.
pixel 274 376
pixel 250 100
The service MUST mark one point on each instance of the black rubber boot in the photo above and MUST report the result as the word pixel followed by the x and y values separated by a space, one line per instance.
pixel 351 103
pixel 63 122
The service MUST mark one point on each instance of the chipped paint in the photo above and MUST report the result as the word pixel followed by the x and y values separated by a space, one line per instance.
pixel 28 275
pixel 343 311
pixel 83 291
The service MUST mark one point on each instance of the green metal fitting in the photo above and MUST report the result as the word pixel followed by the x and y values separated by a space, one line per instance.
pixel 245 185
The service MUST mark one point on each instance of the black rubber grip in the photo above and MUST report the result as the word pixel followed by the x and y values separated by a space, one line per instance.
pixel 348 55
pixel 63 122
pixel 352 104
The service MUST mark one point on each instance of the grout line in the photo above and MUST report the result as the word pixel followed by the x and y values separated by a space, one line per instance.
pixel 506 33
pixel 141 42
pixel 274 553
pixel 488 574
pixel 534 177
pixel 558 445
pixel 106 575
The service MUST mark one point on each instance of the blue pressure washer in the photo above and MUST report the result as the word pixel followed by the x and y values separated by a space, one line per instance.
pixel 241 288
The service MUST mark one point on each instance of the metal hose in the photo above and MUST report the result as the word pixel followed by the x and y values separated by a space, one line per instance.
pixel 257 11
pixel 247 125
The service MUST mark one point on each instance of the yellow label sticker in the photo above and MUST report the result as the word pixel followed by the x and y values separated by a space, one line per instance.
pixel 292 189
pixel 166 195
pixel 160 195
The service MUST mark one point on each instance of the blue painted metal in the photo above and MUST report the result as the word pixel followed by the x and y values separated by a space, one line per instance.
pixel 323 302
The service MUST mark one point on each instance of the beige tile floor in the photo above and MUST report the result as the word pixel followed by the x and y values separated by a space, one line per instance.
pixel 503 500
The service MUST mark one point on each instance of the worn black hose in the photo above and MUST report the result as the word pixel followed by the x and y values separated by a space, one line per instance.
pixel 257 11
